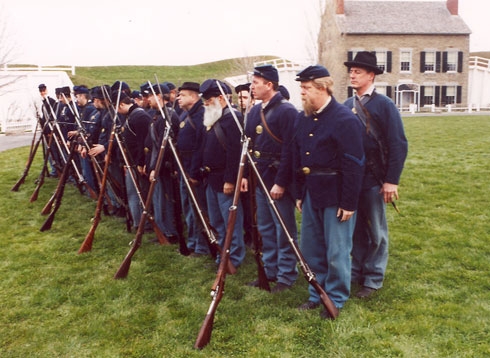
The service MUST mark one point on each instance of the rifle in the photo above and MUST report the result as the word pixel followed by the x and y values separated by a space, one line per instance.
pixel 81 131
pixel 218 287
pixel 124 268
pixel 263 282
pixel 95 164
pixel 59 191
pixel 208 229
pixel 30 159
pixel 40 179
pixel 48 153
pixel 87 243
pixel 307 272
pixel 81 179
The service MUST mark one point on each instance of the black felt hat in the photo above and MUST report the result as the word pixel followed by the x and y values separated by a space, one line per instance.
pixel 190 86
pixel 366 60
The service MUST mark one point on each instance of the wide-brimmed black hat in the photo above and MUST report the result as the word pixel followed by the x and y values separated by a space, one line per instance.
pixel 366 60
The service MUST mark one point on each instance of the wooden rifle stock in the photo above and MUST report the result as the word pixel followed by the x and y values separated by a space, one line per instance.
pixel 309 275
pixel 87 243
pixel 40 179
pixel 58 193
pixel 122 272
pixel 208 229
pixel 263 282
pixel 30 159
pixel 217 290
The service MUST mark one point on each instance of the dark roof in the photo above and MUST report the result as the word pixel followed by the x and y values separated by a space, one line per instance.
pixel 400 17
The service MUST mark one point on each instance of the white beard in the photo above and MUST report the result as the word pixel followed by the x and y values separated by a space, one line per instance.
pixel 212 113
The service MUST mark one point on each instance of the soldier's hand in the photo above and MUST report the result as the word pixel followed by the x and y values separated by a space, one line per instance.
pixel 344 215
pixel 299 205
pixel 228 188
pixel 389 192
pixel 277 192
pixel 244 186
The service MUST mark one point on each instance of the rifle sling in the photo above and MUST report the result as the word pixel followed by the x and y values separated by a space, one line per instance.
pixel 266 126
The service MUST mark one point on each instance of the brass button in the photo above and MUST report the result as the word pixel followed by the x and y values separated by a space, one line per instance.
pixel 315 119
pixel 310 135
pixel 182 124
pixel 257 154
pixel 259 129
pixel 306 170
pixel 307 153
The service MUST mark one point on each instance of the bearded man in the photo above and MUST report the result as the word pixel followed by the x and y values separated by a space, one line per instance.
pixel 329 159
pixel 220 161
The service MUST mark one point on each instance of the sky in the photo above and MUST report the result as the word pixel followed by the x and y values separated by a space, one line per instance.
pixel 179 32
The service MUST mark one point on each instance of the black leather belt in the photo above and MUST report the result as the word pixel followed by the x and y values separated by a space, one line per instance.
pixel 318 171
pixel 266 155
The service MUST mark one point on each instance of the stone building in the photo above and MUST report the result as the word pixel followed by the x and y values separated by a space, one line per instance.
pixel 422 46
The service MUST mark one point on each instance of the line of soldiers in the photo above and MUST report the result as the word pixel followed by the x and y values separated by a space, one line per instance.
pixel 313 161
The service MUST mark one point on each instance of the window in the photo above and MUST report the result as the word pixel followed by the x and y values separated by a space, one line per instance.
pixel 381 89
pixel 428 95
pixel 382 60
pixel 449 94
pixel 430 61
pixel 452 61
pixel 405 61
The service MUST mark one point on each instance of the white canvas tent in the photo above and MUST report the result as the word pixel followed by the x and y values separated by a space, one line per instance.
pixel 19 96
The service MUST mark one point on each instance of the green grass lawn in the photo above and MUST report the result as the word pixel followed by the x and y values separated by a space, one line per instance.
pixel 435 303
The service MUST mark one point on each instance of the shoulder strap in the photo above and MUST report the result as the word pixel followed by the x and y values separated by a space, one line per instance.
pixel 219 134
pixel 264 121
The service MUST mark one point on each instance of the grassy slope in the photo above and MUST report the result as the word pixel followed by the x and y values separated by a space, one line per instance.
pixel 435 302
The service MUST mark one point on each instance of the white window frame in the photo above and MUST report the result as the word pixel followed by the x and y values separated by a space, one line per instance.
pixel 427 62
pixel 407 52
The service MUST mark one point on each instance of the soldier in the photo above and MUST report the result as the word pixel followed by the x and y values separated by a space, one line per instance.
pixel 220 160
pixel 329 157
pixel 47 108
pixel 245 103
pixel 386 146
pixel 245 97
pixel 163 196
pixel 173 103
pixel 270 126
pixel 90 122
pixel 188 142
pixel 135 130
pixel 98 149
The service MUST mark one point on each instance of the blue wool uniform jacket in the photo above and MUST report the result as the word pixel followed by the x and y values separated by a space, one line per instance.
pixel 275 162
pixel 385 113
pixel 330 140
pixel 92 122
pixel 190 138
pixel 222 159
pixel 135 132
pixel 157 130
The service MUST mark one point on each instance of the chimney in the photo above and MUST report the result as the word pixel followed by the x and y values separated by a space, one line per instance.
pixel 452 6
pixel 340 7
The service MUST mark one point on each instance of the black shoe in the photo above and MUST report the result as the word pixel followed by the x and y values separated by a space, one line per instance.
pixel 280 287
pixel 195 254
pixel 365 292
pixel 173 239
pixel 310 305
pixel 256 283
